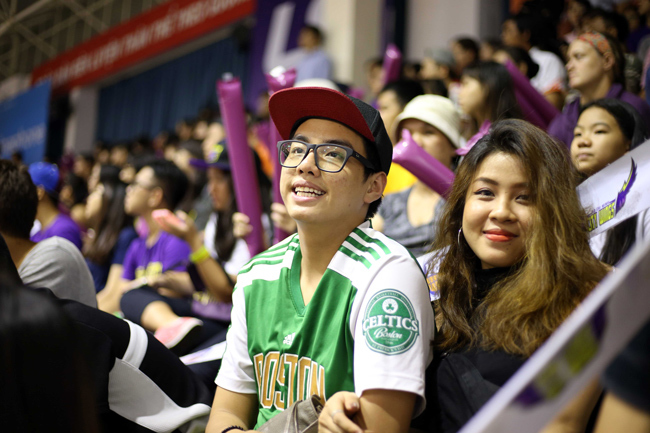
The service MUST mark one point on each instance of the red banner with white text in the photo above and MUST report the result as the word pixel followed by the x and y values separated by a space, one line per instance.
pixel 150 33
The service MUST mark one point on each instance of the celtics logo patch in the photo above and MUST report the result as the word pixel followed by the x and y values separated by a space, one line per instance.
pixel 389 324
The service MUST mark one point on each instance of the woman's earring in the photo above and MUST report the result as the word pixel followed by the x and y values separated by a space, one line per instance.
pixel 460 230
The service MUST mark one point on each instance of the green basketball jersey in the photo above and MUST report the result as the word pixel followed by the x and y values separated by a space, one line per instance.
pixel 367 326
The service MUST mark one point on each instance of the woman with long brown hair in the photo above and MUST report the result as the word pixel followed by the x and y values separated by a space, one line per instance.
pixel 513 261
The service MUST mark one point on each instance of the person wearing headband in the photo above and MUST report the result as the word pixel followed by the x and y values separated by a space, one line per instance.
pixel 337 306
pixel 595 70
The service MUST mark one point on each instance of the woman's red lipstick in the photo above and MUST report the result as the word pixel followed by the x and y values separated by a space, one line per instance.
pixel 497 235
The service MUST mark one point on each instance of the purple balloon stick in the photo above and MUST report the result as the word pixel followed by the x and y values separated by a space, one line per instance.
pixel 392 64
pixel 425 167
pixel 545 110
pixel 247 190
pixel 278 82
pixel 529 112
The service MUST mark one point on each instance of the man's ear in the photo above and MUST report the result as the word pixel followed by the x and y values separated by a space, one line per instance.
pixel 376 185
pixel 40 192
pixel 156 198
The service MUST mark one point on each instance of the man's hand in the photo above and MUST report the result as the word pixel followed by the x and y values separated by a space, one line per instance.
pixel 336 414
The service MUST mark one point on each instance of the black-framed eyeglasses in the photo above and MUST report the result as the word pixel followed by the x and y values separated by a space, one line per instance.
pixel 329 157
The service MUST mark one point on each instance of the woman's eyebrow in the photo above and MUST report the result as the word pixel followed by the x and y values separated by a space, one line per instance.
pixel 495 183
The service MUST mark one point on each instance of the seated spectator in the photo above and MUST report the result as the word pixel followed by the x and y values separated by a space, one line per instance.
pixel 53 222
pixel 120 154
pixel 489 46
pixel 74 193
pixel 487 95
pixel 465 52
pixel 44 382
pixel 54 262
pixel 606 130
pixel 438 64
pixel 217 256
pixel 615 25
pixel 110 233
pixel 506 281
pixel 100 371
pixel 315 286
pixel 520 58
pixel 155 265
pixel 595 69
pixel 83 165
pixel 391 101
pixel 410 216
pixel 524 31
pixel 197 200
pixel 575 11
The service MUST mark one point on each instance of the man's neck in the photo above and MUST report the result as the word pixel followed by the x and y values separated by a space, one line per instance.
pixel 154 229
pixel 18 248
pixel 318 246
pixel 598 91
pixel 46 214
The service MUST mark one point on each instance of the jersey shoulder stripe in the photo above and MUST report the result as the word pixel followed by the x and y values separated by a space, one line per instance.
pixel 368 246
pixel 275 254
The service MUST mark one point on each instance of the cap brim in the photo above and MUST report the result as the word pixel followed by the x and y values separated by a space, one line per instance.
pixel 288 106
pixel 204 165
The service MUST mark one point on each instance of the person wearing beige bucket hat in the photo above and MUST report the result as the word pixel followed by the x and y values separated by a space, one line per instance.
pixel 409 216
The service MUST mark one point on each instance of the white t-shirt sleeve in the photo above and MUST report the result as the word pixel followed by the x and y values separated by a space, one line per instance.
pixel 237 373
pixel 392 324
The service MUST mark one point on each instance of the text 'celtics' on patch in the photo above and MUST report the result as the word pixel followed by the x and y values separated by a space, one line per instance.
pixel 390 325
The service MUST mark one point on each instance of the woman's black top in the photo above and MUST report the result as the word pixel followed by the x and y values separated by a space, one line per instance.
pixel 459 383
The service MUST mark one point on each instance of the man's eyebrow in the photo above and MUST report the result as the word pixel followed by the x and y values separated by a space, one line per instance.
pixel 339 141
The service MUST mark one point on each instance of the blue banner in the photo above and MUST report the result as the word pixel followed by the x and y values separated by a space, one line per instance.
pixel 23 124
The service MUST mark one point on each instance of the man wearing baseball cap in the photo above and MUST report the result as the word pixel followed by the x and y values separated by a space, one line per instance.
pixel 337 306
pixel 53 223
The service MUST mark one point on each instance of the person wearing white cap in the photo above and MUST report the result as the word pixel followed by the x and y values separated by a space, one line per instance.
pixel 409 216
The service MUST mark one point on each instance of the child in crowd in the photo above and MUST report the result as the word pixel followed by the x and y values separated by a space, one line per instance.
pixel 506 277
pixel 606 130
pixel 337 306
pixel 52 221
pixel 409 216
pixel 110 233
pixel 595 70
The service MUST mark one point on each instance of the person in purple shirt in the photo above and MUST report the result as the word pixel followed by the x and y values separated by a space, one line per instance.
pixel 53 223
pixel 154 276
pixel 595 70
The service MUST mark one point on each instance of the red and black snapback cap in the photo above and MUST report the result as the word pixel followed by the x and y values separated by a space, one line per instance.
pixel 290 107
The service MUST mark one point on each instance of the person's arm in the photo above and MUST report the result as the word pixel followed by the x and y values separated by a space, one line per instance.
pixel 389 372
pixel 231 409
pixel 376 410
pixel 618 415
pixel 385 410
pixel 213 275
pixel 575 416
pixel 109 298
pixel 178 282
